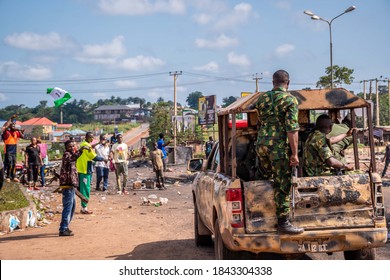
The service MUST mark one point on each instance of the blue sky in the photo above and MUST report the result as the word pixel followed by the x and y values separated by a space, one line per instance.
pixel 101 48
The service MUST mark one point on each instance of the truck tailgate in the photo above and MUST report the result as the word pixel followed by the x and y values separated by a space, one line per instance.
pixel 326 202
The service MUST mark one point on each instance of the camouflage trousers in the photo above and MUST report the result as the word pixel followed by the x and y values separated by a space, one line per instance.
pixel 279 170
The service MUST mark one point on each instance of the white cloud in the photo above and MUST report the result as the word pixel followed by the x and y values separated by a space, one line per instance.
pixel 209 67
pixel 37 42
pixel 3 97
pixel 283 50
pixel 126 84
pixel 221 42
pixel 141 62
pixel 106 54
pixel 142 7
pixel 240 60
pixel 114 49
pixel 202 19
pixel 240 15
pixel 28 72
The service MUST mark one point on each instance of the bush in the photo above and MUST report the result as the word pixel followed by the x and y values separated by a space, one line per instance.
pixel 11 197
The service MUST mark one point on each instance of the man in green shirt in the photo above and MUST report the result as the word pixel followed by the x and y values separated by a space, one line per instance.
pixel 277 144
pixel 85 169
pixel 318 157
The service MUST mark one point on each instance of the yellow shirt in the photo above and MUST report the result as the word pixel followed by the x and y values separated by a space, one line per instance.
pixel 85 158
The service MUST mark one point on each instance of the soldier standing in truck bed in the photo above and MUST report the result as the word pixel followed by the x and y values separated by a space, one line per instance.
pixel 277 144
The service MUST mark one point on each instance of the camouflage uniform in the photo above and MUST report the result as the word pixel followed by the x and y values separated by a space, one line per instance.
pixel 315 153
pixel 339 147
pixel 278 114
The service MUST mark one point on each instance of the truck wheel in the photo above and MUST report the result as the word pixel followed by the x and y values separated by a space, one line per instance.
pixel 363 254
pixel 200 240
pixel 223 253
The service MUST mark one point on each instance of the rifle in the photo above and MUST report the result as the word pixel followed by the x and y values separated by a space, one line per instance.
pixel 78 193
pixel 294 184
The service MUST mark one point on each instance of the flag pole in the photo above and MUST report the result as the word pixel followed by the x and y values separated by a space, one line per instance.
pixel 61 114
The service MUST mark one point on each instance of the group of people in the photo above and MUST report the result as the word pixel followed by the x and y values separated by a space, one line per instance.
pixel 277 145
pixel 76 170
pixel 35 156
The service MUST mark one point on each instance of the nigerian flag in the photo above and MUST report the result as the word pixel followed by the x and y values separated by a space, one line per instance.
pixel 60 96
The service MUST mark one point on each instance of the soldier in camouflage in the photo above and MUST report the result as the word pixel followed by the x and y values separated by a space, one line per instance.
pixel 340 138
pixel 318 156
pixel 277 144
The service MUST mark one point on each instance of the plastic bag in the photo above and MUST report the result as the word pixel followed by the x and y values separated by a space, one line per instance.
pixel 31 220
pixel 13 223
pixel 112 166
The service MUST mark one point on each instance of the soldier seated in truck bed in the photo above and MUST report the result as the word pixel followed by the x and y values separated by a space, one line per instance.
pixel 318 157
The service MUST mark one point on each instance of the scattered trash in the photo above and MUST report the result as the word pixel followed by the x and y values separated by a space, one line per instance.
pixel 179 193
pixel 31 220
pixel 163 200
pixel 39 216
pixel 13 223
pixel 137 185
pixel 152 196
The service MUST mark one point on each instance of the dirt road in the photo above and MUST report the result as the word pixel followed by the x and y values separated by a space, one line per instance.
pixel 121 228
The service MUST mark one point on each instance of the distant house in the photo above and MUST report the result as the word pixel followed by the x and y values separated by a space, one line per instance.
pixel 63 127
pixel 47 127
pixel 115 112
pixel 62 136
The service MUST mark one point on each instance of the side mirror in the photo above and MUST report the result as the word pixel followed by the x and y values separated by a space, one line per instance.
pixel 195 165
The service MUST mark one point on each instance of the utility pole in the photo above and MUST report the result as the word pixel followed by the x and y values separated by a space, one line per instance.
pixel 363 112
pixel 388 91
pixel 377 102
pixel 175 74
pixel 256 78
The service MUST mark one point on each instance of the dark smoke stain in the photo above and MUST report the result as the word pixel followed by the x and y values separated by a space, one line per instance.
pixel 339 98
pixel 299 96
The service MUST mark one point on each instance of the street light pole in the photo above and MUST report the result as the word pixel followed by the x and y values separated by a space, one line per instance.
pixel 315 17
pixel 175 75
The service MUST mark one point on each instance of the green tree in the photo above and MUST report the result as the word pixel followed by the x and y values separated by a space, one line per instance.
pixel 228 100
pixel 37 131
pixel 160 120
pixel 341 75
pixel 192 99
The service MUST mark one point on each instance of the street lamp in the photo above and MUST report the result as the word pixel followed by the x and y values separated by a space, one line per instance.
pixel 315 17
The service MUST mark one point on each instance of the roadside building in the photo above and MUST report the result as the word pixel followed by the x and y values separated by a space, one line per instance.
pixel 113 113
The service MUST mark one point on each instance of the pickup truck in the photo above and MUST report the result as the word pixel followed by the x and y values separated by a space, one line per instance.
pixel 235 205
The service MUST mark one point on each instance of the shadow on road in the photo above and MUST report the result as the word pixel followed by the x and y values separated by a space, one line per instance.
pixel 168 250
pixel 26 237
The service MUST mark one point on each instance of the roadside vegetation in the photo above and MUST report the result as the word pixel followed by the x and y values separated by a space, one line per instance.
pixel 11 198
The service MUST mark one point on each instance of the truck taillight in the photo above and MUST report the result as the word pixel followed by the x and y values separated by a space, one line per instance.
pixel 379 205
pixel 234 201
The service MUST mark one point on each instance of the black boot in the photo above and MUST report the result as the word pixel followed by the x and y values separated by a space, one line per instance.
pixel 284 226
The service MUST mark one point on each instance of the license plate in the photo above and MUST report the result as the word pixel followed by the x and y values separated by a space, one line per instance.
pixel 312 247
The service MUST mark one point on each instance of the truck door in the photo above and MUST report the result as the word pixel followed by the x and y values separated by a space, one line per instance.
pixel 206 187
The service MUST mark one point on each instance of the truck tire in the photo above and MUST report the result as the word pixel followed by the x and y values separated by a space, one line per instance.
pixel 363 254
pixel 222 252
pixel 200 240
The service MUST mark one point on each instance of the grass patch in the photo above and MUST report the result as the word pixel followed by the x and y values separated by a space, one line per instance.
pixel 12 198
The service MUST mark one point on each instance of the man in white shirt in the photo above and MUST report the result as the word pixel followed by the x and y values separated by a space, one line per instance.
pixel 120 154
pixel 102 169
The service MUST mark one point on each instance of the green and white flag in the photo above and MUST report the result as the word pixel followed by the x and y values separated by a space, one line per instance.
pixel 60 96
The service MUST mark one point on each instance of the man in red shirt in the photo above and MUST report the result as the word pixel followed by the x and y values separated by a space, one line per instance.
pixel 11 136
